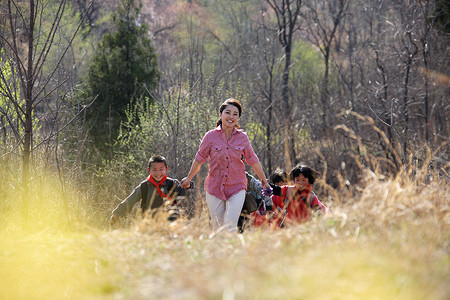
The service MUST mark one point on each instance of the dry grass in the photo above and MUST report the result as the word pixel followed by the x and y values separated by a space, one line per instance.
pixel 389 242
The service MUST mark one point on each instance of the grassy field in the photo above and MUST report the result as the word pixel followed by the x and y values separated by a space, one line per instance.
pixel 391 242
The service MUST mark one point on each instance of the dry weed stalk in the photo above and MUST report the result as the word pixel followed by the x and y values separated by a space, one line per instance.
pixel 159 224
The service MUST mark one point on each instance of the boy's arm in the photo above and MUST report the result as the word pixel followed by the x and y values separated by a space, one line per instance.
pixel 276 189
pixel 126 205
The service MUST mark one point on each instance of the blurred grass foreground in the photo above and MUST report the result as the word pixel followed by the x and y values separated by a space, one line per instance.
pixel 391 241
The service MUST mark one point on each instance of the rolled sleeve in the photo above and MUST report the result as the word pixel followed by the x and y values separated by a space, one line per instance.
pixel 250 155
pixel 203 150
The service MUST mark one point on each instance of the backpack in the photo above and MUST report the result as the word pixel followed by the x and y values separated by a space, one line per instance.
pixel 253 196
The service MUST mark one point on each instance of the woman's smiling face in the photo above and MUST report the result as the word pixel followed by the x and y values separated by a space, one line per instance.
pixel 229 116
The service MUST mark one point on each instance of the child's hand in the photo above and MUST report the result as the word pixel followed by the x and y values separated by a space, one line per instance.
pixel 268 191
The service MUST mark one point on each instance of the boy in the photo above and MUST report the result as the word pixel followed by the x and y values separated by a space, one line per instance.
pixel 253 193
pixel 154 192
pixel 259 218
pixel 297 202
pixel 279 177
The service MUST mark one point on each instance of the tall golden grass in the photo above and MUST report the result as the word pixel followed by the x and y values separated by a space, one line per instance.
pixel 389 239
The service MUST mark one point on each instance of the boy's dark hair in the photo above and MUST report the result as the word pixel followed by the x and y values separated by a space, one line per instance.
pixel 157 158
pixel 306 171
pixel 278 176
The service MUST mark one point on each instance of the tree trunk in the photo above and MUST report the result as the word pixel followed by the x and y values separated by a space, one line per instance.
pixel 28 137
pixel 287 109
pixel 287 14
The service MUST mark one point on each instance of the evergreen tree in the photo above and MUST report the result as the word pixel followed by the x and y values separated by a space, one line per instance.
pixel 123 66
pixel 442 15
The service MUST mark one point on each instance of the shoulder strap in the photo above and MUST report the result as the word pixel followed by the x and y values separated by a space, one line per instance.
pixel 311 197
pixel 289 195
pixel 170 186
pixel 144 192
pixel 249 182
pixel 173 190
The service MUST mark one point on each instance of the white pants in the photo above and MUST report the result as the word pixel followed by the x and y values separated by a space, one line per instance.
pixel 225 212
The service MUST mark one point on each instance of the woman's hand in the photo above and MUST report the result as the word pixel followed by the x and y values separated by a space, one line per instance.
pixel 267 190
pixel 185 183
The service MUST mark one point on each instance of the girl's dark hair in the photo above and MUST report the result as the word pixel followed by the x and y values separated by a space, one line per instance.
pixel 230 101
pixel 157 158
pixel 278 176
pixel 306 171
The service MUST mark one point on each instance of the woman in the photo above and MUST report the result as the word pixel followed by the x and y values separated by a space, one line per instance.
pixel 226 182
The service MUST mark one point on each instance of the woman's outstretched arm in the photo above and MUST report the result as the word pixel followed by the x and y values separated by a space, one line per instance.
pixel 259 171
pixel 195 167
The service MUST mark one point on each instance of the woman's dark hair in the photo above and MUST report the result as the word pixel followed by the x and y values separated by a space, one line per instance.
pixel 306 171
pixel 155 159
pixel 230 101
pixel 278 176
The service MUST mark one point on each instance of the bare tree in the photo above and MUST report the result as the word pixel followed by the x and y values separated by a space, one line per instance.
pixel 395 54
pixel 266 50
pixel 323 19
pixel 287 13
pixel 30 29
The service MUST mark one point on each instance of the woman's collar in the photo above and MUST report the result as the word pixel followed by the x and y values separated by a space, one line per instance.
pixel 235 130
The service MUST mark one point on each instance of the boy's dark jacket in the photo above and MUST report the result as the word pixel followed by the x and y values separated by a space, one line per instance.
pixel 170 187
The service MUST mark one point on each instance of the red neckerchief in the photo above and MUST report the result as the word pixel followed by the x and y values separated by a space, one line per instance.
pixel 304 194
pixel 158 185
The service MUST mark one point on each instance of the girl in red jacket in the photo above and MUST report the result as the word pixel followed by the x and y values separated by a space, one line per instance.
pixel 296 203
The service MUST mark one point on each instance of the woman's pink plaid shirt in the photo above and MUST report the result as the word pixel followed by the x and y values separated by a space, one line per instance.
pixel 226 174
